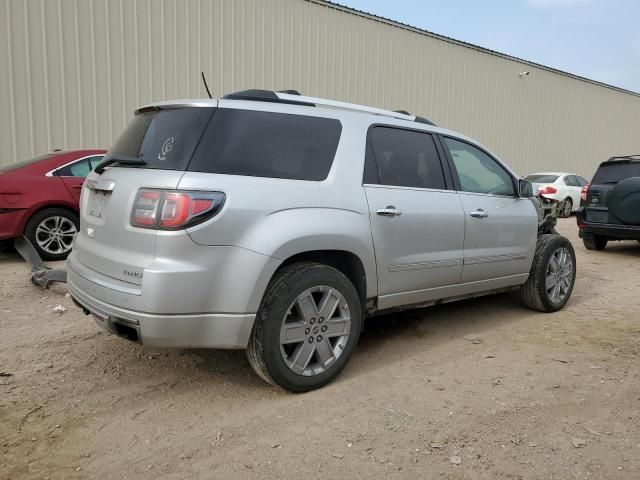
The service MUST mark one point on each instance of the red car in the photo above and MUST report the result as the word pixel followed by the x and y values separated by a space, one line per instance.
pixel 39 198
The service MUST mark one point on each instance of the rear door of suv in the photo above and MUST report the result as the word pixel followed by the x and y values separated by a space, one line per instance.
pixel 598 206
pixel 500 228
pixel 416 217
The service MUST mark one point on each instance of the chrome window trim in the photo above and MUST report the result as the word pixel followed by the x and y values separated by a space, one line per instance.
pixel 400 187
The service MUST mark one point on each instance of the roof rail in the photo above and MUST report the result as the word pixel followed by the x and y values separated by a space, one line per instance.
pixel 346 106
pixel 624 157
pixel 293 97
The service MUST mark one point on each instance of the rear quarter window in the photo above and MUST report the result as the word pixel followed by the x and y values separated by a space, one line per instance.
pixel 267 144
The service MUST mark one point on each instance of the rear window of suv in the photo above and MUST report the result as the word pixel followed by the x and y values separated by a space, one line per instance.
pixel 616 171
pixel 234 142
pixel 164 139
pixel 267 144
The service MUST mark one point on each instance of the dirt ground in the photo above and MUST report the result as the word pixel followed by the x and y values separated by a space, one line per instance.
pixel 480 389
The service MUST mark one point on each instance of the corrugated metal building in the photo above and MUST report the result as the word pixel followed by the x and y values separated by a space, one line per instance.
pixel 74 70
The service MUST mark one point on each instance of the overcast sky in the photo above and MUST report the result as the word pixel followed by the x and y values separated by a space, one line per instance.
pixel 597 39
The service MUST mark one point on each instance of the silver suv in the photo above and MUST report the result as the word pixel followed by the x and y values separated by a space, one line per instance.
pixel 277 223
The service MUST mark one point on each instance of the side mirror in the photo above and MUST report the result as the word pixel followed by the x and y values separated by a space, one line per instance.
pixel 525 188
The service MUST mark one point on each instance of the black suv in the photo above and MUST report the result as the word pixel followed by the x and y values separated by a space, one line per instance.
pixel 610 204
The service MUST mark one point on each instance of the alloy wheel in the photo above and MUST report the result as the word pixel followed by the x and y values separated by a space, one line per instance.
pixel 559 275
pixel 315 330
pixel 54 235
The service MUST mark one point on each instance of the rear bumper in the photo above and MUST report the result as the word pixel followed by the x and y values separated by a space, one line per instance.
pixel 12 223
pixel 208 301
pixel 210 330
pixel 608 230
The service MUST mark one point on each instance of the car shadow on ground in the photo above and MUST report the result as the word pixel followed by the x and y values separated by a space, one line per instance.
pixel 389 338
pixel 625 247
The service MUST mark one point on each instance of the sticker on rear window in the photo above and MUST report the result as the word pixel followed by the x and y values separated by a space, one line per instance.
pixel 167 146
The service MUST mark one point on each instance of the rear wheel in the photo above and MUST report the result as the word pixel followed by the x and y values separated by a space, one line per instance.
pixel 552 276
pixel 595 242
pixel 307 327
pixel 565 208
pixel 51 231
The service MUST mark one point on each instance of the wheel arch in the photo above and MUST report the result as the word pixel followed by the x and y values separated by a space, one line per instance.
pixel 47 206
pixel 347 263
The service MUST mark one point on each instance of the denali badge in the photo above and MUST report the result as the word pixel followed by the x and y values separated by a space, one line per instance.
pixel 129 273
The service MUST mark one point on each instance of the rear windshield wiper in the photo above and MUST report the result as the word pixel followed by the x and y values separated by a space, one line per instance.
pixel 120 161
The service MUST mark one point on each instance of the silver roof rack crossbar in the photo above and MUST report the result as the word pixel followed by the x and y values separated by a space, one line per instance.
pixel 344 105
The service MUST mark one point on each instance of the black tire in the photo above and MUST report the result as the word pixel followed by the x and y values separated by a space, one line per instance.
pixel 534 293
pixel 595 242
pixel 30 231
pixel 264 351
pixel 565 208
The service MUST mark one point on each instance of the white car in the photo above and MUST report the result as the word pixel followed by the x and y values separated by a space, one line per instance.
pixel 562 187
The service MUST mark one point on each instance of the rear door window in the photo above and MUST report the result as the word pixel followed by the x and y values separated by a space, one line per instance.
pixel 80 168
pixel 615 171
pixel 267 144
pixel 581 181
pixel 403 158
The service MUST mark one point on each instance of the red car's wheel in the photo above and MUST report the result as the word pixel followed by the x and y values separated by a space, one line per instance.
pixel 51 231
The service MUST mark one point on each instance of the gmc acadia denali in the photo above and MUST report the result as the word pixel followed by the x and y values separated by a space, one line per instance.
pixel 277 223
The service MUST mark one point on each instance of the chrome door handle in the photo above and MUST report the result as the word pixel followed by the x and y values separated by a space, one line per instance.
pixel 390 211
pixel 479 213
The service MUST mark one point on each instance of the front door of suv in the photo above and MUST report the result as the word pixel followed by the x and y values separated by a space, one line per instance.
pixel 501 229
pixel 417 222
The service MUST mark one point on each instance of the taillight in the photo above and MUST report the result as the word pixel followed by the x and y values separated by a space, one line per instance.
pixel 173 209
pixel 547 190
pixel 145 208
pixel 585 192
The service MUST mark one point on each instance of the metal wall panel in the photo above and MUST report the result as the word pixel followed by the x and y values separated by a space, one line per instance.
pixel 74 71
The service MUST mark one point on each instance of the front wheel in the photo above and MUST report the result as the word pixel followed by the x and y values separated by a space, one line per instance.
pixel 306 328
pixel 552 276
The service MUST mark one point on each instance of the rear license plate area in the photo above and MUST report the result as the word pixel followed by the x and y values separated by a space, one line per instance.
pixel 97 202
pixel 597 216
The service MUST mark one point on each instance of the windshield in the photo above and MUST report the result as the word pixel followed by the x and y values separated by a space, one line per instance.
pixel 23 163
pixel 541 178
pixel 162 139
pixel 615 171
